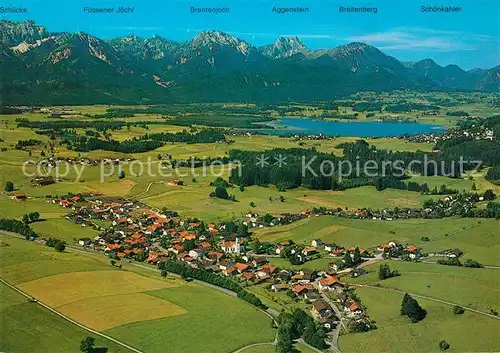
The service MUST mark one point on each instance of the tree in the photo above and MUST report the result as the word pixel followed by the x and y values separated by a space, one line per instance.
pixel 489 195
pixel 164 273
pixel 252 204
pixel 443 345
pixel 87 345
pixel 60 246
pixel 412 309
pixel 112 262
pixel 357 256
pixel 9 186
pixel 348 260
pixel 221 192
pixel 26 219
pixel 34 216
pixel 121 175
pixel 384 272
pixel 242 188
pixel 458 310
pixel 472 263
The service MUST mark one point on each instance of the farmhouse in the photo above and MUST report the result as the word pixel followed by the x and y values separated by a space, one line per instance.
pixel 84 241
pixel 302 289
pixel 320 309
pixel 18 197
pixel 354 309
pixel 279 287
pixel 330 284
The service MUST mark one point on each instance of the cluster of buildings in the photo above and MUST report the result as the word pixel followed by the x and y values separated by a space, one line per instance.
pixel 393 249
pixel 477 133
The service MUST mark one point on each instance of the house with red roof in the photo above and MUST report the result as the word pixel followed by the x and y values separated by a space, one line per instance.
pixel 302 289
pixel 354 309
pixel 248 276
pixel 330 283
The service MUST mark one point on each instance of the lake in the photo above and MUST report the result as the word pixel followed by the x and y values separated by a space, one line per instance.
pixel 289 126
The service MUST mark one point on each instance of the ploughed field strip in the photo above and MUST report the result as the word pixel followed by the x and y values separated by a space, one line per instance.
pixel 103 313
pixel 72 287
pixel 103 299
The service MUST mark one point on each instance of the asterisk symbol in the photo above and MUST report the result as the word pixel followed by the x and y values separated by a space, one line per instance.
pixel 262 161
pixel 280 160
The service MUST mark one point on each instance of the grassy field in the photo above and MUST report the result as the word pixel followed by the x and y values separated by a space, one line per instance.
pixel 29 328
pixel 470 287
pixel 468 332
pixel 478 239
pixel 210 314
pixel 89 290
pixel 458 184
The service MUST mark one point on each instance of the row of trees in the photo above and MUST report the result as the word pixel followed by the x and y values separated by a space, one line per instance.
pixel 212 278
pixel 454 261
pixel 318 170
pixel 15 226
pixel 55 243
pixel 147 142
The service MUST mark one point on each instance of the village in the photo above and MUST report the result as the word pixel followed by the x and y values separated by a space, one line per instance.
pixel 132 231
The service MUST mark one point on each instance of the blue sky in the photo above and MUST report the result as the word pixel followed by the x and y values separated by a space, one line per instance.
pixel 470 38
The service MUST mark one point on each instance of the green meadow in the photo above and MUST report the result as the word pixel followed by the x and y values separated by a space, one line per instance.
pixel 468 332
pixel 30 328
pixel 469 287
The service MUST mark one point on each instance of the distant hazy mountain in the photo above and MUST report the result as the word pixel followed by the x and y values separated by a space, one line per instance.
pixel 39 67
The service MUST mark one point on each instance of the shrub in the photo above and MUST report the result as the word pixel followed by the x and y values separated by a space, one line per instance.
pixel 443 345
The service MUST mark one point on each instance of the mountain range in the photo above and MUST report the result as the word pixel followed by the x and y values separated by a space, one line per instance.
pixel 41 67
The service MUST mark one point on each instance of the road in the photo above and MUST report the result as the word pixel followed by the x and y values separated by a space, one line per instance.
pixel 427 298
pixel 334 346
pixel 254 345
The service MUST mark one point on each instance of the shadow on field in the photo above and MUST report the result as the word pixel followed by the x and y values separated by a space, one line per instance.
pixel 100 350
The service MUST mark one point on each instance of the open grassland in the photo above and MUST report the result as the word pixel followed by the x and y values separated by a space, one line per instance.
pixel 67 288
pixel 16 209
pixel 470 287
pixel 465 183
pixel 468 332
pixel 192 199
pixel 22 261
pixel 105 312
pixel 29 328
pixel 269 348
pixel 478 239
pixel 210 316
pixel 63 229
